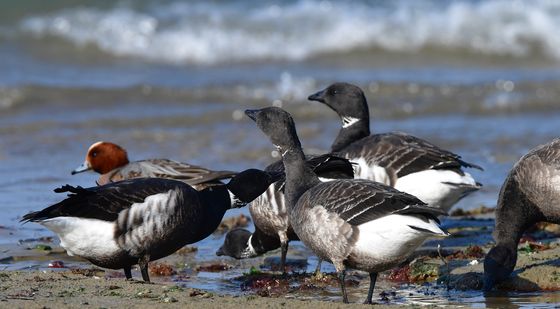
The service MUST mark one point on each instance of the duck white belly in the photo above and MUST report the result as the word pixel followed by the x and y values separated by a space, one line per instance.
pixel 437 188
pixel 84 237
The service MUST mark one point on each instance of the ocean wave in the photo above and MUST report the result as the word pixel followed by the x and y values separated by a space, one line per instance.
pixel 387 100
pixel 210 32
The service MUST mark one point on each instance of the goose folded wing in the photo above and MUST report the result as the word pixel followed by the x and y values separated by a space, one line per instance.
pixel 361 201
pixel 325 165
pixel 405 154
pixel 103 202
pixel 331 166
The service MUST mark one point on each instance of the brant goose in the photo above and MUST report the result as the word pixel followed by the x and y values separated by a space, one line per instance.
pixel 140 220
pixel 270 216
pixel 353 223
pixel 403 161
pixel 242 244
pixel 111 161
pixel 530 193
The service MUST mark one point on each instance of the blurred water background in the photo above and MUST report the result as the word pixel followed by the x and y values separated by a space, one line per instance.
pixel 170 79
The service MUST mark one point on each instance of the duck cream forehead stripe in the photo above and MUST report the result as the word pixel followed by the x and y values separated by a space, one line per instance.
pixel 94 145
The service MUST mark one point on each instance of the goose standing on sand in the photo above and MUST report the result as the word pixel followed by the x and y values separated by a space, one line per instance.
pixel 530 194
pixel 140 220
pixel 270 215
pixel 403 161
pixel 111 161
pixel 353 223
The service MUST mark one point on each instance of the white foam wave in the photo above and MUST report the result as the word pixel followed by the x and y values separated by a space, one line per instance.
pixel 208 32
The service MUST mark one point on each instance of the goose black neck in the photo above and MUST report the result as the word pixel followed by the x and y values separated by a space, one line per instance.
pixel 263 243
pixel 215 202
pixel 348 135
pixel 510 225
pixel 299 177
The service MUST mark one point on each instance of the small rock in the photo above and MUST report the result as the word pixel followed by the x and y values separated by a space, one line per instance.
pixel 469 281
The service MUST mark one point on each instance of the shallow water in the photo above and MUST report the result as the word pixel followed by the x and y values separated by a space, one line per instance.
pixel 74 73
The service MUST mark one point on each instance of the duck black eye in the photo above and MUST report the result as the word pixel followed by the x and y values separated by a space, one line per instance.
pixel 94 154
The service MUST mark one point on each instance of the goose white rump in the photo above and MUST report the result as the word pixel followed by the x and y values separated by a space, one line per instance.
pixel 84 237
pixel 437 188
pixel 394 237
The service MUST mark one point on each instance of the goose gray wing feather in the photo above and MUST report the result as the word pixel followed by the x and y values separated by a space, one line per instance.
pixel 404 154
pixel 360 201
pixel 326 166
pixel 104 202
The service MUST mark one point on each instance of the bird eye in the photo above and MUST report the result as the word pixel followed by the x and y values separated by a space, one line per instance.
pixel 94 154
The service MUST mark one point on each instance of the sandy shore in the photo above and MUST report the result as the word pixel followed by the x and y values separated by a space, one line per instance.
pixel 461 267
pixel 94 288
pixel 67 289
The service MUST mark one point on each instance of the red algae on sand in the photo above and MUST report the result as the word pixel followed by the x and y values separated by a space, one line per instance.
pixel 56 264
pixel 471 252
pixel 161 269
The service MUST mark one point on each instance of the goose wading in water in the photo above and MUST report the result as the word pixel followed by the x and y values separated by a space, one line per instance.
pixel 140 220
pixel 352 223
pixel 408 163
pixel 530 194
pixel 270 215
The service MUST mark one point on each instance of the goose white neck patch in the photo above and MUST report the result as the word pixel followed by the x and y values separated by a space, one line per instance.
pixel 235 201
pixel 249 251
pixel 348 121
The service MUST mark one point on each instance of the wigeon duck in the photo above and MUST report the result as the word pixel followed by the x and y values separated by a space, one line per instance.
pixel 111 161
pixel 140 220
pixel 270 216
pixel 353 223
pixel 530 194
pixel 408 163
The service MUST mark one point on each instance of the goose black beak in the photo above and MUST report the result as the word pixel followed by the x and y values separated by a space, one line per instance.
pixel 220 252
pixel 318 96
pixel 252 113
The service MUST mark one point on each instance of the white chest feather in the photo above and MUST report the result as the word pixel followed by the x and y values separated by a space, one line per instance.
pixel 392 237
pixel 84 237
